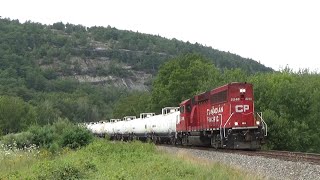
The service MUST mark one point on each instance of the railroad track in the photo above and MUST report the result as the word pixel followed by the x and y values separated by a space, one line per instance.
pixel 288 156
pixel 311 158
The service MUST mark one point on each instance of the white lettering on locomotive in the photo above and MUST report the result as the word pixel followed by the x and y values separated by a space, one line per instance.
pixel 242 108
pixel 238 99
pixel 213 118
pixel 214 113
pixel 214 110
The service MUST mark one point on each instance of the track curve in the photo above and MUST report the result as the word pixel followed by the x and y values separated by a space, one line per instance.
pixel 311 158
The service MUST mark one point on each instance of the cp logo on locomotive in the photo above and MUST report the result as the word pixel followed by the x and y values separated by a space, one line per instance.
pixel 242 108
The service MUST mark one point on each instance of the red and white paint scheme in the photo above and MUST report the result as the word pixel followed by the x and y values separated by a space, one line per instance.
pixel 222 118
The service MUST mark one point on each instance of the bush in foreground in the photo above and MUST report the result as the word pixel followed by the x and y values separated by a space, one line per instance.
pixel 61 134
pixel 76 137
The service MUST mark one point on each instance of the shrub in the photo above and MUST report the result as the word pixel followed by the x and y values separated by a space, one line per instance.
pixel 23 139
pixel 76 137
pixel 62 171
pixel 42 136
pixel 8 139
pixel 52 137
pixel 70 166
pixel 61 125
pixel 54 147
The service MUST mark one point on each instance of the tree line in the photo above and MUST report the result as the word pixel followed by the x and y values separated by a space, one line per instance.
pixel 36 44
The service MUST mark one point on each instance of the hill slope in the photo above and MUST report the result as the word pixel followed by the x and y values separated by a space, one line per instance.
pixel 99 55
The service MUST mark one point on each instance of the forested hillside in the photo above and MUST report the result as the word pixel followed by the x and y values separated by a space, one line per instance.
pixel 98 54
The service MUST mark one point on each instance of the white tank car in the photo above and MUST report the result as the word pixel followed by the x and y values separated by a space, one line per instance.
pixel 146 126
pixel 112 128
pixel 105 127
pixel 152 122
pixel 108 128
pixel 139 126
pixel 94 127
pixel 118 127
pixel 99 128
pixel 147 119
pixel 165 123
pixel 127 127
pixel 89 126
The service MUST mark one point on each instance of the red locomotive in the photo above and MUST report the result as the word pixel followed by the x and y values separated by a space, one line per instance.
pixel 222 118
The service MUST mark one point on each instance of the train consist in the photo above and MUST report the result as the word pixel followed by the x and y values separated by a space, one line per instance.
pixel 221 118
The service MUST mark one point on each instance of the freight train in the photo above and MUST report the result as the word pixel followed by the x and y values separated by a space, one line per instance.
pixel 221 118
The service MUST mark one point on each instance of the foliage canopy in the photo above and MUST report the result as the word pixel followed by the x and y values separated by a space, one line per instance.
pixel 181 78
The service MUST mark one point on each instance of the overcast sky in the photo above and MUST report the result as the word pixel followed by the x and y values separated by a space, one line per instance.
pixel 275 32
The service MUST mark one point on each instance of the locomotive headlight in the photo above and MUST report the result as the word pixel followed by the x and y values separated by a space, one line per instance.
pixel 258 123
pixel 236 123
pixel 242 90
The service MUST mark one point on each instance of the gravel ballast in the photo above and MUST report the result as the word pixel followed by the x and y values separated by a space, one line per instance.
pixel 265 167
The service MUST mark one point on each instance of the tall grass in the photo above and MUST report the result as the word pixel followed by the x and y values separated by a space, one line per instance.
pixel 13 158
pixel 118 160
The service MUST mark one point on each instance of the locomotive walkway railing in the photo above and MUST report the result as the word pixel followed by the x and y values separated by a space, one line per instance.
pixel 224 127
pixel 264 124
pixel 259 114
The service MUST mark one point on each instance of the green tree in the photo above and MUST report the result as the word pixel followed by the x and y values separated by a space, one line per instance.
pixel 47 113
pixel 132 105
pixel 180 79
pixel 58 26
pixel 289 102
pixel 15 114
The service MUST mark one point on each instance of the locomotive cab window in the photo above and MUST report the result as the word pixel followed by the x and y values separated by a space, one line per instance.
pixel 182 109
pixel 188 108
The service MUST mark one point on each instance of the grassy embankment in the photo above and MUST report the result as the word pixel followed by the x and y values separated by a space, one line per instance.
pixel 110 160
